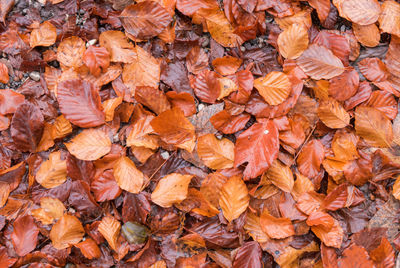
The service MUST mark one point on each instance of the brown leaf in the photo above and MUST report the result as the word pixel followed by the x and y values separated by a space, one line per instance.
pixel 367 35
pixel 355 256
pixel 105 187
pixel 275 87
pixel 145 19
pixel 4 77
pixel 52 172
pixel 216 154
pixel 234 198
pixel 310 158
pixel 45 35
pixel 320 63
pixel 293 41
pixel 128 177
pixel 229 124
pixel 80 103
pixel 61 127
pixel 27 127
pixel 206 86
pixel 276 228
pixel 258 146
pixel 332 114
pixel 171 189
pixel 89 249
pixel 152 98
pixel 70 52
pixel 183 101
pixel 90 144
pixel 97 59
pixel 331 237
pixel 345 85
pixel 118 46
pixel 373 126
pixel 373 69
pixel 24 235
pixel 226 65
pixel 66 231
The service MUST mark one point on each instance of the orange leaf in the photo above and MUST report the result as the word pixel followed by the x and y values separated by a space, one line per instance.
pixel 275 87
pixel 171 189
pixel 153 98
pixel 226 65
pixel 4 192
pixel 70 52
pixel 109 107
pixel 52 172
pixel 97 59
pixel 367 35
pixel 281 176
pixel 332 114
pixel 67 231
pixel 216 154
pixel 373 69
pixel 384 102
pixel 3 73
pixel 309 202
pixel 302 184
pixel 211 187
pixel 320 63
pixel 175 129
pixel 362 12
pixel 47 140
pixel 24 235
pixel 396 188
pixel 196 60
pixel 344 145
pixel 310 158
pixel 227 123
pixel 293 41
pixel 128 177
pixel 332 236
pixel 140 134
pixel 9 101
pixel 355 256
pixel 345 85
pixel 276 228
pixel 45 35
pixel 206 86
pixel 61 127
pixel 322 6
pixel 118 46
pixel 89 249
pixel 372 125
pixel 320 218
pixel 90 144
pixel 145 19
pixel 383 255
pixel 109 227
pixel 183 101
pixel 389 20
pixel 234 198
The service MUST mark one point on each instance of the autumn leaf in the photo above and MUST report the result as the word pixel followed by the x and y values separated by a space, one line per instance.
pixel 293 41
pixel 118 46
pixel 332 114
pixel 310 158
pixel 275 87
pixel 66 231
pixel 216 154
pixel 345 85
pixel 24 235
pixel 281 176
pixel 226 65
pixel 331 237
pixel 362 12
pixel 276 228
pixel 70 52
pixel 234 198
pixel 61 127
pixel 206 86
pixel 53 171
pixel 80 103
pixel 227 123
pixel 355 256
pixel 389 17
pixel 89 249
pixel 171 189
pixel 320 63
pixel 258 146
pixel 105 187
pixel 128 177
pixel 373 126
pixel 368 35
pixel 110 228
pixel 4 77
pixel 90 144
pixel 45 35
pixel 97 59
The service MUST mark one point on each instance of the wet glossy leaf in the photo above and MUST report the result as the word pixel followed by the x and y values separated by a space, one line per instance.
pixel 362 12
pixel 215 153
pixel 229 124
pixel 118 46
pixel 104 187
pixel 310 158
pixel 171 189
pixel 4 77
pixel 45 35
pixel 89 249
pixel 128 177
pixel 67 231
pixel 70 52
pixel 234 198
pixel 276 228
pixel 24 235
pixel 248 255
pixel 355 256
pixel 274 87
pixel 331 237
pixel 226 65
pixel 332 114
pixel 97 59
pixel 293 41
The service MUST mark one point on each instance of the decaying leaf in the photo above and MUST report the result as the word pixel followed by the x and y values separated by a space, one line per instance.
pixel 171 189
pixel 67 231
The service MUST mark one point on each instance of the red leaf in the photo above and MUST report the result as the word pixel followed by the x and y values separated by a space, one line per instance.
pixel 24 235
pixel 206 86
pixel 97 59
pixel 227 123
pixel 27 127
pixel 344 86
pixel 105 187
pixel 373 69
pixel 258 146
pixel 80 103
pixel 248 255
pixel 310 158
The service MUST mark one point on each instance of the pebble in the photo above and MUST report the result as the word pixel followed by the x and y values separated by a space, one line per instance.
pixel 242 48
pixel 34 76
pixel 91 42
pixel 165 155
pixel 200 107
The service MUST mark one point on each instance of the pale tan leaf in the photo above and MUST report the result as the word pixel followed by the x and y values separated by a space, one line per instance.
pixel 128 177
pixel 90 144
pixel 67 231
pixel 216 154
pixel 171 189
pixel 293 41
pixel 389 20
pixel 332 114
pixel 275 87
pixel 110 228
pixel 362 12
pixel 52 172
pixel 234 198
pixel 319 63
pixel 373 126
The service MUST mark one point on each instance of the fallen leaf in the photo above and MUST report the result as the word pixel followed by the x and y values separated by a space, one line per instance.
pixel 332 114
pixel 276 228
pixel 89 249
pixel 234 198
pixel 52 172
pixel 310 158
pixel 275 87
pixel 45 35
pixel 110 228
pixel 216 154
pixel 281 176
pixel 128 177
pixel 97 59
pixel 171 189
pixel 70 52
pixel 67 231
pixel 24 235
pixel 293 41
pixel 4 77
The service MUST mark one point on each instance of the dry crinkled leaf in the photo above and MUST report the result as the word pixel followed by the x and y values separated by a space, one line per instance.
pixel 128 177
pixel 90 144
pixel 276 228
pixel 110 228
pixel 70 52
pixel 332 114
pixel 118 46
pixel 320 63
pixel 216 154
pixel 367 35
pixel 52 172
pixel 362 12
pixel 275 87
pixel 67 231
pixel 145 19
pixel 174 128
pixel 45 35
pixel 234 198
pixel 389 19
pixel 258 146
pixel 373 126
pixel 171 189
pixel 89 249
pixel 293 41
pixel 281 176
